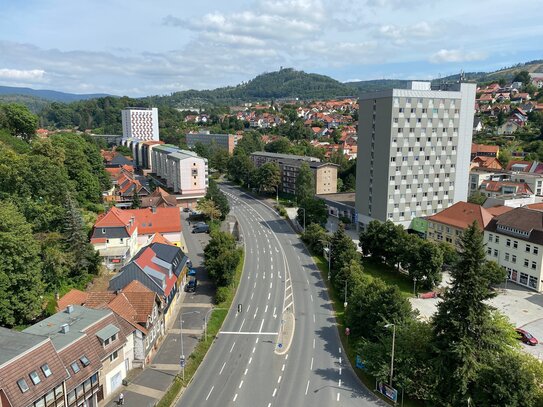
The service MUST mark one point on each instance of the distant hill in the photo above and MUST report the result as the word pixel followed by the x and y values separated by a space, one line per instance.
pixel 285 83
pixel 51 95
pixel 378 84
pixel 507 73
pixel 34 103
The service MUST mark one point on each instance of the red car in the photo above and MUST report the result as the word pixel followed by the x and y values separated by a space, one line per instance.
pixel 526 337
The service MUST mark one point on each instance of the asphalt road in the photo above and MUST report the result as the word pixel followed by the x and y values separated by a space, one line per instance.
pixel 241 368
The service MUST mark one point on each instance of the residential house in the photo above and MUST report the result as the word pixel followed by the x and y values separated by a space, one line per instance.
pixel 484 150
pixel 31 371
pixel 93 346
pixel 159 198
pixel 490 163
pixel 450 223
pixel 115 236
pixel 159 267
pixel 509 127
pixel 496 188
pixel 163 220
pixel 515 240
pixel 125 185
pixel 477 124
pixel 137 305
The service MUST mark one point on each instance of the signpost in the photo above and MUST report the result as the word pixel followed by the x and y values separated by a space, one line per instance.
pixel 358 363
pixel 388 391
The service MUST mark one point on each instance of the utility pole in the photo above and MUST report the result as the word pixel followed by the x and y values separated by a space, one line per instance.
pixel 392 356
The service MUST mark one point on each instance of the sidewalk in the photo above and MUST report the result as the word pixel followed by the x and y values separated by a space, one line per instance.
pixel 146 387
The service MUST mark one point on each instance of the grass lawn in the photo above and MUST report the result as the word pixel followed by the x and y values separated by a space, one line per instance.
pixel 389 276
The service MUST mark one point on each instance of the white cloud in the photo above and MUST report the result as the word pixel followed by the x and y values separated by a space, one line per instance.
pixel 456 55
pixel 21 74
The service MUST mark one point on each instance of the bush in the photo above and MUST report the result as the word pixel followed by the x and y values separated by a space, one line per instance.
pixel 222 294
pixel 282 211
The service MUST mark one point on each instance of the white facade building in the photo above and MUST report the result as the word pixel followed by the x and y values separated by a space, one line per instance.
pixel 414 149
pixel 140 123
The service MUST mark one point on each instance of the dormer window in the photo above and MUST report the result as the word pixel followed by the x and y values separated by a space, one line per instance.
pixel 110 339
pixel 22 385
pixel 34 377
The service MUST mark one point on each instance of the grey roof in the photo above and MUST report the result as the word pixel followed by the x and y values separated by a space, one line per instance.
pixel 14 343
pixel 166 252
pixel 110 233
pixel 522 223
pixel 285 156
pixel 107 332
pixel 119 160
pixel 80 319
pixel 345 198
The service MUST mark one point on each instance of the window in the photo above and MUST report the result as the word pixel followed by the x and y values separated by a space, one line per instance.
pixel 497 240
pixel 534 265
pixel 536 250
pixel 46 371
pixel 515 244
pixel 495 253
pixel 514 258
pixel 523 278
pixel 526 263
pixel 22 385
pixel 84 361
pixel 34 377
pixel 508 243
pixel 75 367
pixel 114 356
pixel 424 110
pixel 490 236
pixel 400 130
pixel 401 109
pixel 488 251
pixel 506 256
pixel 533 282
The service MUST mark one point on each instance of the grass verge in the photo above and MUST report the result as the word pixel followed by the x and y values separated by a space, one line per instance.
pixel 214 324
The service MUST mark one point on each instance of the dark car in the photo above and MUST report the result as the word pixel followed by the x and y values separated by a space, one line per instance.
pixel 186 209
pixel 526 337
pixel 201 229
pixel 199 224
pixel 190 287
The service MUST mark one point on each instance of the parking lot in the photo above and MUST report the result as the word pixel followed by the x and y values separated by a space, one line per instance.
pixel 523 307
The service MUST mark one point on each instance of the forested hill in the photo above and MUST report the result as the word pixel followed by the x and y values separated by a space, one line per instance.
pixel 285 83
pixel 51 95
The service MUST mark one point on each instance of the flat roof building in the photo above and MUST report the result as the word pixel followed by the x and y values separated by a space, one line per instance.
pixel 140 123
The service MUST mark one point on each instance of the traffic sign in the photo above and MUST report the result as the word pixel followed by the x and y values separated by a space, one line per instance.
pixel 280 345
pixel 182 361
pixel 347 331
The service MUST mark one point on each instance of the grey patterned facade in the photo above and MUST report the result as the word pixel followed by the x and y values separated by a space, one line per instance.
pixel 414 150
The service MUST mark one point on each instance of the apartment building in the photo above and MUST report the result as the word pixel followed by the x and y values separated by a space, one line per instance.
pixel 226 141
pixel 140 123
pixel 325 174
pixel 515 240
pixel 184 172
pixel 414 151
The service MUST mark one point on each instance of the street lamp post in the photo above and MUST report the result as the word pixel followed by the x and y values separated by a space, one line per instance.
pixel 182 359
pixel 415 286
pixel 277 193
pixel 392 356
pixel 329 247
pixel 345 302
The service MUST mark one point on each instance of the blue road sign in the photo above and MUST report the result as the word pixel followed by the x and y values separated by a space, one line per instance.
pixel 280 345
pixel 359 364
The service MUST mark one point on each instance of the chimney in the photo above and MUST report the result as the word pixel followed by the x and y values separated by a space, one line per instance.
pixel 69 309
pixel 153 209
pixel 65 328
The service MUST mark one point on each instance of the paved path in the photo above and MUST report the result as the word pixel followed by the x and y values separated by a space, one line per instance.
pixel 149 385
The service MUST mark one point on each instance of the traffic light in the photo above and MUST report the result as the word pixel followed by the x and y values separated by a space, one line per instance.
pixel 240 308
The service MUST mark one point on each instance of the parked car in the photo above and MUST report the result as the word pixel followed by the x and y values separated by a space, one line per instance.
pixel 190 287
pixel 526 337
pixel 201 229
pixel 199 224
pixel 186 209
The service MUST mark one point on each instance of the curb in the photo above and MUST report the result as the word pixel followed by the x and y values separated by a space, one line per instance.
pixel 290 322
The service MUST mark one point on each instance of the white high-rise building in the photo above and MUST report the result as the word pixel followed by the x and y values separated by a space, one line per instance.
pixel 414 149
pixel 140 123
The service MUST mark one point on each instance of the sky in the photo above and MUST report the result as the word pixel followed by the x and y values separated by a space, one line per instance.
pixel 138 48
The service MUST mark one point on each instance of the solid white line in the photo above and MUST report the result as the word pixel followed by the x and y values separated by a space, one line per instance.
pixel 232 347
pixel 288 296
pixel 266 310
pixel 274 392
pixel 279 380
pixel 307 388
pixel 241 384
pixel 235 397
pixel 209 394
pixel 311 367
pixel 262 324
pixel 245 374
pixel 222 368
pixel 289 305
pixel 246 333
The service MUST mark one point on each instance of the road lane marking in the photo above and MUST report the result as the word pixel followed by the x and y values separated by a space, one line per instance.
pixel 254 286
pixel 340 360
pixel 246 333
pixel 340 371
pixel 283 368
pixel 337 399
pixel 266 310
pixel 235 397
pixel 313 343
pixel 254 316
pixel 252 295
pixel 339 384
pixel 279 380
pixel 311 367
pixel 311 295
pixel 274 314
pixel 307 388
pixel 248 307
pixel 232 347
pixel 269 295
pixel 286 356
pixel 314 321
pixel 209 394
pixel 250 360
pixel 254 348
pixel 262 324
pixel 271 285
pixel 340 352
pixel 242 322
pixel 274 392
pixel 222 368
pixel 257 338
pixel 241 384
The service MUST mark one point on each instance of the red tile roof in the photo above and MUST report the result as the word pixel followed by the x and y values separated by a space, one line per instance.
pixel 145 259
pixel 483 148
pixel 72 297
pixel 161 220
pixel 498 210
pixel 462 214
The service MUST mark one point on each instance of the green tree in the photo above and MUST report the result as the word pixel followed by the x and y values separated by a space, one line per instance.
pixel 218 197
pixel 477 198
pixel 384 240
pixel 242 169
pixel 343 250
pixel 424 261
pixel 269 177
pixel 305 183
pixel 314 236
pixel 20 121
pixel 522 76
pixel 209 208
pixel 21 285
pixel 466 331
pixel 282 145
pixel 136 200
pixel 315 212
pixel 221 257
pixel 250 143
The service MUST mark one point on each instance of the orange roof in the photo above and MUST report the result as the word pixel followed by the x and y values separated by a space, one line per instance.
pixel 536 206
pixel 72 297
pixel 487 162
pixel 158 238
pixel 498 210
pixel 115 217
pixel 157 220
pixel 483 148
pixel 99 299
pixel 462 214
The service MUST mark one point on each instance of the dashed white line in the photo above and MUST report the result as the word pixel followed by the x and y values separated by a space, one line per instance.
pixel 340 371
pixel 254 349
pixel 279 380
pixel 314 318
pixel 283 368
pixel 311 367
pixel 240 384
pixel 224 364
pixel 248 307
pixel 245 374
pixel 242 322
pixel 250 360
pixel 307 388
pixel 340 352
pixel 209 394
pixel 266 310
pixel 235 397
pixel 274 392
pixel 286 356
pixel 252 295
pixel 271 285
pixel 254 316
pixel 337 398
pixel 311 295
pixel 232 347
pixel 269 295
pixel 339 384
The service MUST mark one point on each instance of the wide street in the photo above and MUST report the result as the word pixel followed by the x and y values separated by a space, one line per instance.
pixel 246 366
